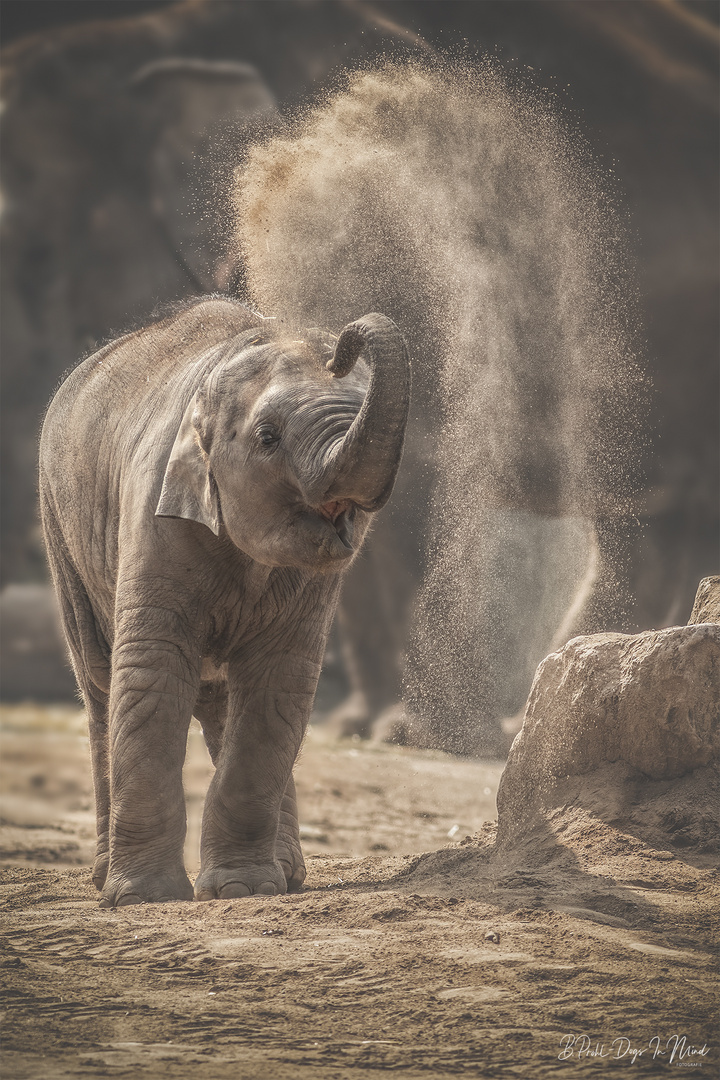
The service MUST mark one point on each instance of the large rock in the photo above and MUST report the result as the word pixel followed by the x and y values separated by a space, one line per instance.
pixel 627 727
pixel 706 608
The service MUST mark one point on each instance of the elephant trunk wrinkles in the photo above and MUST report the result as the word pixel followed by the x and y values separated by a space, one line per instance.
pixel 362 468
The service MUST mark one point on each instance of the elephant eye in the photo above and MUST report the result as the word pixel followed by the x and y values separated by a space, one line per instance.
pixel 268 436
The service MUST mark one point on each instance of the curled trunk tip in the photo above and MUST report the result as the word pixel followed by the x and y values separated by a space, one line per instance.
pixel 349 346
pixel 364 466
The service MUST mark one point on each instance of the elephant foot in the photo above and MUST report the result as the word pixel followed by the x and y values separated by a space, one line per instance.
pixel 121 890
pixel 288 851
pixel 229 883
pixel 352 717
pixel 394 726
pixel 289 855
pixel 100 869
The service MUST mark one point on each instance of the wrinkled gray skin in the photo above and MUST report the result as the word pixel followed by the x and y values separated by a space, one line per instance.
pixel 204 483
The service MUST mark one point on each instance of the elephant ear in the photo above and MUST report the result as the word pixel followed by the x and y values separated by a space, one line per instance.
pixel 189 490
pixel 194 109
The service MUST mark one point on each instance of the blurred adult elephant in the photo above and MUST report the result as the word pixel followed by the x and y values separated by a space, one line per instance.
pixel 204 483
pixel 100 233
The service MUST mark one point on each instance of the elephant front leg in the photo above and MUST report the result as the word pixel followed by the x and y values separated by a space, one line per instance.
pixel 250 839
pixel 152 694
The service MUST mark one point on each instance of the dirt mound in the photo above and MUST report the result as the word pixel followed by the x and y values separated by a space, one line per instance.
pixel 628 728
pixel 614 772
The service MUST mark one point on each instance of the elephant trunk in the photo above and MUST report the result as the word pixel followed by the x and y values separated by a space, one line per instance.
pixel 364 465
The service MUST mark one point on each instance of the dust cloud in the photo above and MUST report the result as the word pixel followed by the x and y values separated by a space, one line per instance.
pixel 454 197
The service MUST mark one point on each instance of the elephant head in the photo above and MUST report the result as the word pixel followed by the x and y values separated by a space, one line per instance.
pixel 287 445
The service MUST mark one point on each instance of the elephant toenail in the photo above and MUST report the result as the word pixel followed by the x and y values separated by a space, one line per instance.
pixel 266 888
pixel 234 889
pixel 104 903
pixel 129 898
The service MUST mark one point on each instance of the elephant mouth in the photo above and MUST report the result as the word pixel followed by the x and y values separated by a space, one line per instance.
pixel 341 515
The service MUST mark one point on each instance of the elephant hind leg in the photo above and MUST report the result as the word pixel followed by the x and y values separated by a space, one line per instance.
pixel 89 650
pixel 288 851
pixel 96 703
pixel 96 700
pixel 211 710
pixel 90 657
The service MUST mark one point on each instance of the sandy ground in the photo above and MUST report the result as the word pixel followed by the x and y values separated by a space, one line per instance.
pixel 589 960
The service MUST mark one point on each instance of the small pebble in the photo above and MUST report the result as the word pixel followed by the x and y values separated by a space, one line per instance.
pixel 492 935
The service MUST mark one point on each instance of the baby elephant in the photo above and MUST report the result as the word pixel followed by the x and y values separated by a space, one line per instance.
pixel 204 483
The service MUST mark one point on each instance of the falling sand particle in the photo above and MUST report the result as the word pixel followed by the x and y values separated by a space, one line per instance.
pixel 453 198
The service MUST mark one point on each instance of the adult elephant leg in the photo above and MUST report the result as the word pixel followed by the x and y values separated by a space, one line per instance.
pixel 370 647
pixel 154 687
pixel 269 706
pixel 377 596
pixel 505 599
